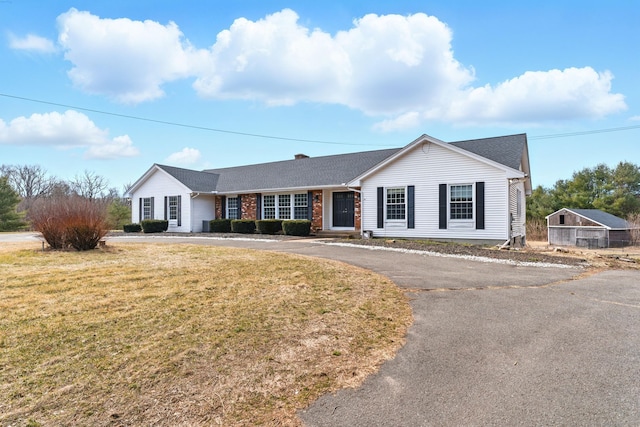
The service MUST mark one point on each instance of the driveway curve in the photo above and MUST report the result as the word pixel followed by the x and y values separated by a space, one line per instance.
pixel 491 343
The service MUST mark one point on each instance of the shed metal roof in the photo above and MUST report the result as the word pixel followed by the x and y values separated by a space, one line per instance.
pixel 605 219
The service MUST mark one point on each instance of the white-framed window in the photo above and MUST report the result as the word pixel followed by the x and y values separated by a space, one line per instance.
pixel 232 208
pixel 173 208
pixel 300 206
pixel 519 203
pixel 147 208
pixel 396 203
pixel 269 206
pixel 285 206
pixel 461 202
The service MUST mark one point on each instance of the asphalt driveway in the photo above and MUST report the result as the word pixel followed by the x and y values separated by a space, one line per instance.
pixel 492 344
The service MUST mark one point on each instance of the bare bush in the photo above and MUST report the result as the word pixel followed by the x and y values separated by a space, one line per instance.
pixel 70 221
pixel 536 229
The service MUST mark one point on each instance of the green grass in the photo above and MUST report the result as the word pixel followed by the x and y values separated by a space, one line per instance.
pixel 182 334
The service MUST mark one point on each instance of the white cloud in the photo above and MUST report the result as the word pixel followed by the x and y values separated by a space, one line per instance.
pixel 555 95
pixel 405 121
pixel 385 64
pixel 123 59
pixel 635 119
pixel 186 156
pixel 65 131
pixel 400 68
pixel 32 43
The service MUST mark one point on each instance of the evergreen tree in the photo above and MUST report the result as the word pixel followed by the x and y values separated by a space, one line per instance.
pixel 10 219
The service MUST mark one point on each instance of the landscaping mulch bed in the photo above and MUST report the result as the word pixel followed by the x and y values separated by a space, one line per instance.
pixel 520 255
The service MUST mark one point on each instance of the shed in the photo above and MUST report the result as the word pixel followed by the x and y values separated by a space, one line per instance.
pixel 588 228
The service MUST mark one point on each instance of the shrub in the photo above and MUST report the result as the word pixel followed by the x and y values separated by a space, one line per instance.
pixel 70 221
pixel 154 225
pixel 132 228
pixel 298 227
pixel 269 226
pixel 245 226
pixel 220 225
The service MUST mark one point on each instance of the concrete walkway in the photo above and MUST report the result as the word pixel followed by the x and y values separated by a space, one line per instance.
pixel 493 344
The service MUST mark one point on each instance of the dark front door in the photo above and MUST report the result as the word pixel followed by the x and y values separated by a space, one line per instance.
pixel 343 209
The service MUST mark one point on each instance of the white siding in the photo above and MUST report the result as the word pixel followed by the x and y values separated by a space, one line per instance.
pixel 518 218
pixel 203 209
pixel 425 167
pixel 159 185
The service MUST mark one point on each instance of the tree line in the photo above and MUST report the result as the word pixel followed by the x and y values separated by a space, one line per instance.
pixel 614 190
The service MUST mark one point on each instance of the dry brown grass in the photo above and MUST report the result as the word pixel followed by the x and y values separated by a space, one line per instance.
pixel 537 229
pixel 185 335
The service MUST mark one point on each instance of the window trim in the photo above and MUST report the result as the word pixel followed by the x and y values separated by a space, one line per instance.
pixel 144 201
pixel 171 206
pixel 236 209
pixel 461 222
pixel 387 204
pixel 276 208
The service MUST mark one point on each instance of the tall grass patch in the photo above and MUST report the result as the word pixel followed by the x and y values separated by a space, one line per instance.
pixel 185 335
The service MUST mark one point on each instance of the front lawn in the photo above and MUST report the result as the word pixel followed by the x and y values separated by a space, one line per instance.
pixel 143 334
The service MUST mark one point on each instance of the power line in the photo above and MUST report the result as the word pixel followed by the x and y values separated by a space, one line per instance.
pixel 586 132
pixel 282 138
pixel 184 125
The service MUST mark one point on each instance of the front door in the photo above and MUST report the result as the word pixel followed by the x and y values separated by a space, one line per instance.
pixel 343 209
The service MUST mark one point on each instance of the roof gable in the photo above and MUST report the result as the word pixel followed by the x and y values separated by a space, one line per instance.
pixel 488 150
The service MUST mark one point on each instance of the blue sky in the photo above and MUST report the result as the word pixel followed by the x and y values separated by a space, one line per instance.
pixel 317 78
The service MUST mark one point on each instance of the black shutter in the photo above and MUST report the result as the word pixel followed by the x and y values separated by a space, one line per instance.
pixel 166 207
pixel 310 205
pixel 258 206
pixel 179 211
pixel 239 207
pixel 442 199
pixel 480 205
pixel 380 201
pixel 411 206
pixel 140 209
pixel 223 206
pixel 153 204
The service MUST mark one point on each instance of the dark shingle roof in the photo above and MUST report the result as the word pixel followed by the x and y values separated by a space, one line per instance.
pixel 194 180
pixel 506 150
pixel 603 218
pixel 327 170
pixel 299 173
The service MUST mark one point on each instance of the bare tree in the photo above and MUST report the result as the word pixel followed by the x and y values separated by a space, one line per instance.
pixel 29 181
pixel 90 185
